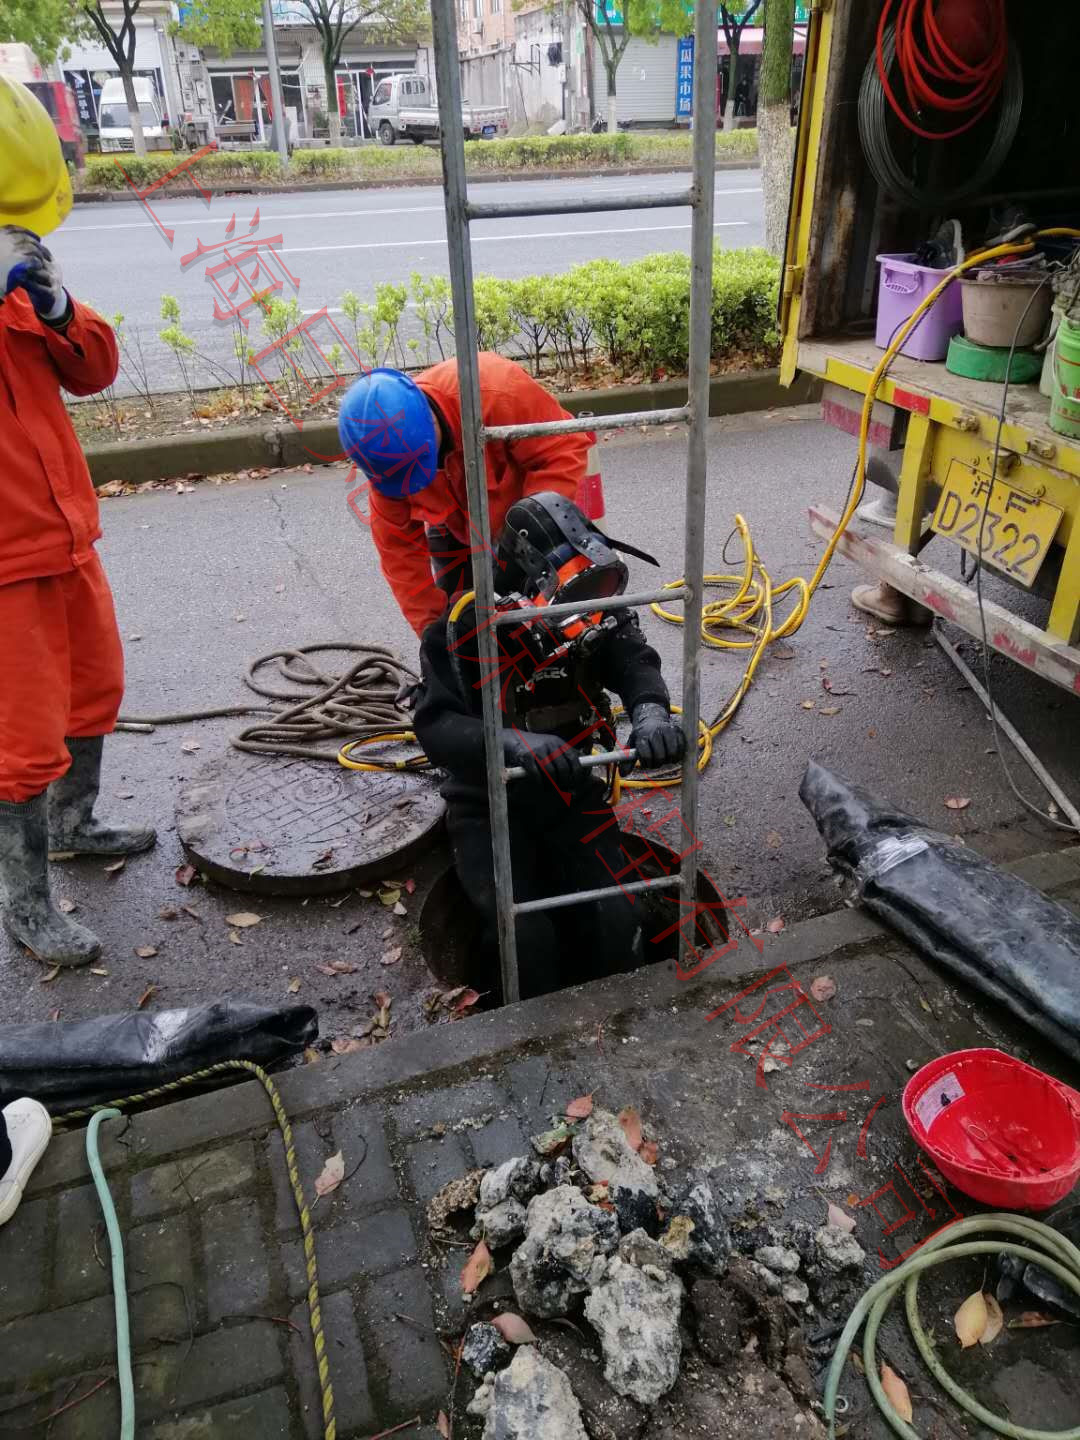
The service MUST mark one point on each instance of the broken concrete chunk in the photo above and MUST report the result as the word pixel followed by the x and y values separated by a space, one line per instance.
pixel 769 1282
pixel 532 1400
pixel 484 1349
pixel 709 1241
pixel 777 1258
pixel 638 1249
pixel 501 1224
pixel 517 1179
pixel 676 1238
pixel 637 1318
pixel 459 1194
pixel 795 1292
pixel 601 1152
pixel 556 1172
pixel 607 1416
pixel 480 1404
pixel 837 1250
pixel 564 1236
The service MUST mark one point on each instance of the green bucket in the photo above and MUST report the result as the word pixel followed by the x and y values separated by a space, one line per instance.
pixel 1065 399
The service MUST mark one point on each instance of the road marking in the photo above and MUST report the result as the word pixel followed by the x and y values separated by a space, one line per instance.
pixel 482 239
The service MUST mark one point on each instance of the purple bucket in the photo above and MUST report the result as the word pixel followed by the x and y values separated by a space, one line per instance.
pixel 902 286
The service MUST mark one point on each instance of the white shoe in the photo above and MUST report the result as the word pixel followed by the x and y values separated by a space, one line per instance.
pixel 29 1128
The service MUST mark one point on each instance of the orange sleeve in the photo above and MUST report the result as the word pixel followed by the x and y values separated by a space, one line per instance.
pixel 403 558
pixel 84 352
pixel 550 462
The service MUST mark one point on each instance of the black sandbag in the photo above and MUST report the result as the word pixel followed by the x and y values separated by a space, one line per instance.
pixel 991 928
pixel 68 1065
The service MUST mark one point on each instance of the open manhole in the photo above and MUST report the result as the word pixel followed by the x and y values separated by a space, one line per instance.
pixel 280 825
pixel 450 928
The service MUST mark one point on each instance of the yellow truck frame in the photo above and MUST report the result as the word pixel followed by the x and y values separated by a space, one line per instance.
pixel 947 418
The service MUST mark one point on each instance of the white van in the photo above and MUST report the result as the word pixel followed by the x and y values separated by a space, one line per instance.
pixel 114 122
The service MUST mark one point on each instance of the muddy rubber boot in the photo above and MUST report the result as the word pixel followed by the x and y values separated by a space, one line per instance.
pixel 29 913
pixel 72 826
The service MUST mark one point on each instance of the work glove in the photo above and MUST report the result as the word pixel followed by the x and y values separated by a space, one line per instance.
pixel 25 263
pixel 545 757
pixel 656 736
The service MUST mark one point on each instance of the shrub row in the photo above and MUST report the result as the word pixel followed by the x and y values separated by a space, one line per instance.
pixel 104 172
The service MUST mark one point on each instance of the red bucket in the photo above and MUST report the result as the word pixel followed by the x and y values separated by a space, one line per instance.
pixel 999 1130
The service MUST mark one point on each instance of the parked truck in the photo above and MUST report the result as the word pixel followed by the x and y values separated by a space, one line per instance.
pixel 974 464
pixel 403 107
pixel 18 62
pixel 114 119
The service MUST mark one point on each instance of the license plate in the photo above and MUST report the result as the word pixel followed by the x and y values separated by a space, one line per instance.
pixel 489 131
pixel 1017 530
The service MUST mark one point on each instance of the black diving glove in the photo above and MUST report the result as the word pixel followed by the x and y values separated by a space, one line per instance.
pixel 544 757
pixel 656 736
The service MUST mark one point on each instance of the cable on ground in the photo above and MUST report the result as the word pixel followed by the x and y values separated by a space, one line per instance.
pixel 119 1284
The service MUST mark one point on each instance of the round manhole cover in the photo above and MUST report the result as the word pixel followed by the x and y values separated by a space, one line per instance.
pixel 285 826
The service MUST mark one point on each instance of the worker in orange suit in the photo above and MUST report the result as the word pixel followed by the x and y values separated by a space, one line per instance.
pixel 406 437
pixel 60 652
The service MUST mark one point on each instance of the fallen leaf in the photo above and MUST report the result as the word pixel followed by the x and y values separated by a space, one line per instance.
pixel 995 1320
pixel 190 746
pixel 840 1219
pixel 580 1109
pixel 465 1002
pixel 66 906
pixel 410 887
pixel 389 897
pixel 185 874
pixel 193 913
pixel 513 1328
pixel 311 1056
pixel 808 704
pixel 830 710
pixel 871 734
pixel 957 802
pixel 235 938
pixel 116 866
pixel 648 1151
pixel 293 987
pixel 476 1269
pixel 392 956
pixel 168 912
pixel 98 970
pixel 333 1172
pixel 146 952
pixel 552 1140
pixel 630 1121
pixel 126 794
pixel 243 919
pixel 1031 1320
pixel 896 1391
pixel 971 1319
pixel 442 1424
pixel 774 927
pixel 823 988
pixel 382 999
pixel 148 994
pixel 50 975
pixel 399 909
pixel 54 1015
pixel 774 840
pixel 729 821
pixel 346 1045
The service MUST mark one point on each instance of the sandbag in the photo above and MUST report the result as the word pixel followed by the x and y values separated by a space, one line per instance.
pixel 990 928
pixel 68 1065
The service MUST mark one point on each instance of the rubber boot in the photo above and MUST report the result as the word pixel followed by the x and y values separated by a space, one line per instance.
pixel 72 826
pixel 29 913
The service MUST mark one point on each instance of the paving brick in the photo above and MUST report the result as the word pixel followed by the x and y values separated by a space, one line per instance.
pixel 161 1251
pixel 367 1245
pixel 256 1417
pixel 217 1175
pixel 92 1419
pixel 226 1114
pixel 77 1273
pixel 407 1367
pixel 434 1163
pixel 24 1261
pixel 64 1162
pixel 424 1108
pixel 58 1342
pixel 541 1088
pixel 358 1131
pixel 501 1140
pixel 221 1363
pixel 235 1260
pixel 348 1368
pixel 311 1153
pixel 160 1314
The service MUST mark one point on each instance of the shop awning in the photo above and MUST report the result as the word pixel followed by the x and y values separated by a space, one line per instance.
pixel 752 36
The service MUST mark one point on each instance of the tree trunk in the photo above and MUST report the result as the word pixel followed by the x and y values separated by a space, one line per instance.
pixel 612 117
pixel 729 94
pixel 134 115
pixel 776 136
pixel 333 114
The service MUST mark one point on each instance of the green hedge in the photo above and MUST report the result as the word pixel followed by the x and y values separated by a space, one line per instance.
pixel 104 173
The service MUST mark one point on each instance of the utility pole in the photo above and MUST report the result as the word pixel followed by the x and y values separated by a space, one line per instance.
pixel 281 129
pixel 570 105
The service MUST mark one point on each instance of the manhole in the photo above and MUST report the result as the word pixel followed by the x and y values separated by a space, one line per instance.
pixel 451 932
pixel 285 826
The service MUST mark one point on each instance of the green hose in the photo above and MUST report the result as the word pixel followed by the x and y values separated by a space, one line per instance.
pixel 116 1250
pixel 1055 1255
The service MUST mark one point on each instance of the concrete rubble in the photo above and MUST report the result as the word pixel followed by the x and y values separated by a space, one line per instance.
pixel 564 1251
pixel 635 1311
pixel 532 1400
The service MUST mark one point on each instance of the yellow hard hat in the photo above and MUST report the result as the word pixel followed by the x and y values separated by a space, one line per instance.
pixel 35 188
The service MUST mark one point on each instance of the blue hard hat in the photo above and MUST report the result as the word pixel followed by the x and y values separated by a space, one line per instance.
pixel 387 428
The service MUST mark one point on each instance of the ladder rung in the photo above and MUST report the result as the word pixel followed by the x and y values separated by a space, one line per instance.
pixel 508 209
pixel 578 897
pixel 580 423
pixel 578 607
pixel 588 762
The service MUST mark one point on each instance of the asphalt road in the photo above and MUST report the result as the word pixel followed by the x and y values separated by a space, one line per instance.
pixel 114 256
pixel 206 580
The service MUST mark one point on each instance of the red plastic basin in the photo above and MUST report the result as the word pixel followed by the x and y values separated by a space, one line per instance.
pixel 1001 1131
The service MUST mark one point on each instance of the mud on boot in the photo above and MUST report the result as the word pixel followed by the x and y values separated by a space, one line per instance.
pixel 28 910
pixel 73 828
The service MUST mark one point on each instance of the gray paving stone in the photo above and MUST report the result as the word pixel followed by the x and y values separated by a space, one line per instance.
pixel 348 1368
pixel 407 1367
pixel 425 1108
pixel 77 1273
pixel 159 1315
pixel 24 1261
pixel 57 1342
pixel 221 1363
pixel 161 1251
pixel 256 1417
pixel 93 1419
pixel 358 1131
pixel 501 1140
pixel 64 1162
pixel 367 1245
pixel 541 1088
pixel 234 1260
pixel 217 1175
pixel 226 1114
pixel 311 1153
pixel 434 1163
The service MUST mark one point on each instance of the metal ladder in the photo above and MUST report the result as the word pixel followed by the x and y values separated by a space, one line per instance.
pixel 460 212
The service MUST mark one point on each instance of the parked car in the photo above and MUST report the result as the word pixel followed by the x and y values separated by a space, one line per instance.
pixel 402 108
pixel 114 122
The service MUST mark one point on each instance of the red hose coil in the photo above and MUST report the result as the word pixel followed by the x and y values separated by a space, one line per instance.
pixel 926 60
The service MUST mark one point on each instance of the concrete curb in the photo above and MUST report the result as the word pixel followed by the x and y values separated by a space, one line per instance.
pixel 266 443
pixel 239 187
